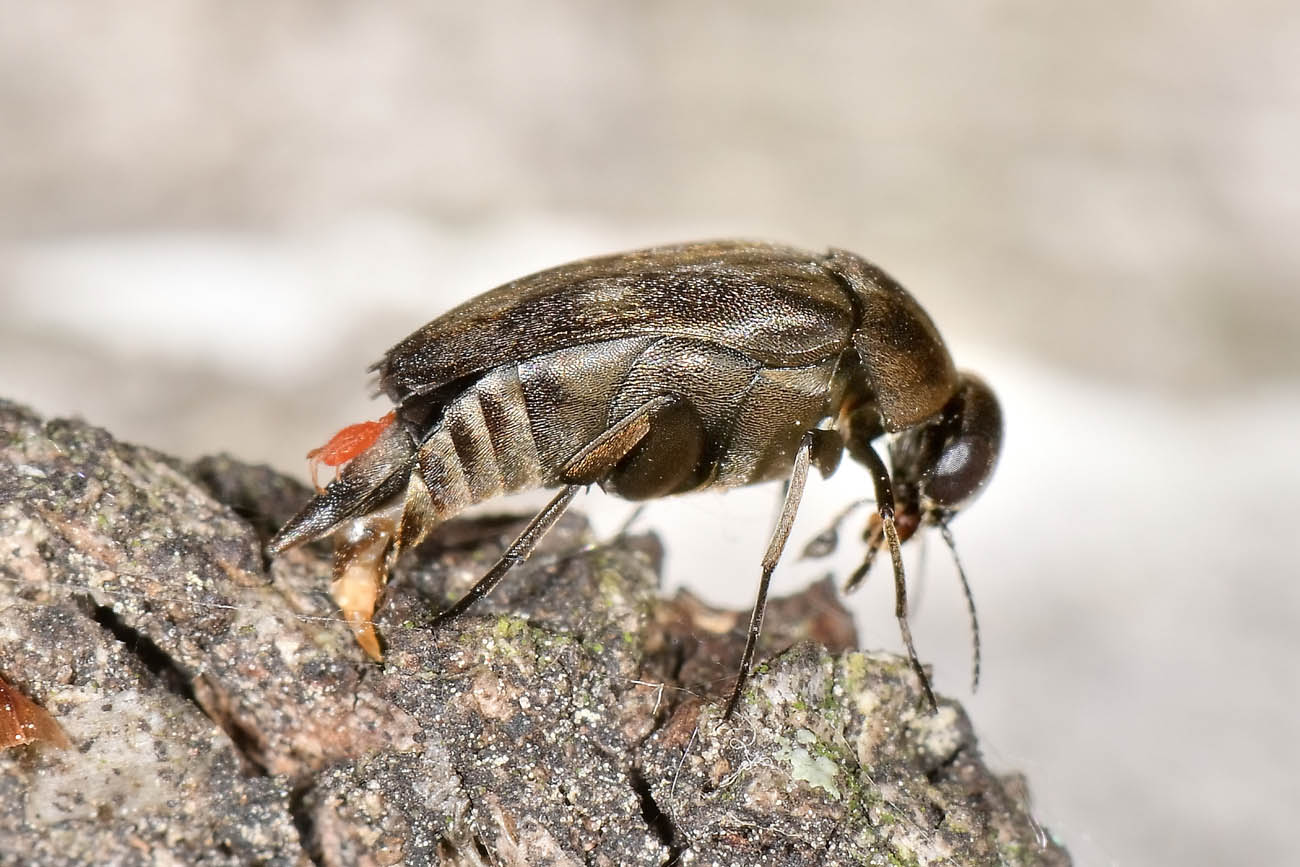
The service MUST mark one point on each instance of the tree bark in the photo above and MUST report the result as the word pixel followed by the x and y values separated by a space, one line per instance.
pixel 220 712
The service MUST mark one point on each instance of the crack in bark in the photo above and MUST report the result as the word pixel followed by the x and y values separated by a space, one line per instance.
pixel 179 682
pixel 659 821
pixel 300 812
pixel 937 773
pixel 143 648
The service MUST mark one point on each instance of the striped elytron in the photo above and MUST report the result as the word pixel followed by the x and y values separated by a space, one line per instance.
pixel 650 373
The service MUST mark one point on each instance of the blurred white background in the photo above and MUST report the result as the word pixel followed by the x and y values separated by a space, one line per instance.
pixel 214 215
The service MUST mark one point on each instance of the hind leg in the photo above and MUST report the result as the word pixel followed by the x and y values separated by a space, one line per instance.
pixel 596 461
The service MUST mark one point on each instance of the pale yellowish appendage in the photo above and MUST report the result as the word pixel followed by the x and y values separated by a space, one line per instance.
pixel 360 572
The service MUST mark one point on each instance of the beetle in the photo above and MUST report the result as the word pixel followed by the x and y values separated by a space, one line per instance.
pixel 678 368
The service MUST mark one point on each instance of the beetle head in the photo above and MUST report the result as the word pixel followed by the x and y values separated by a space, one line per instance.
pixel 942 465
pixel 938 467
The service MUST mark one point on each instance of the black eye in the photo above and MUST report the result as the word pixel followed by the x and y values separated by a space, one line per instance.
pixel 972 424
pixel 963 467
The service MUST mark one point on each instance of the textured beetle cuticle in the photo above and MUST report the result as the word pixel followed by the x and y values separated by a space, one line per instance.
pixel 657 372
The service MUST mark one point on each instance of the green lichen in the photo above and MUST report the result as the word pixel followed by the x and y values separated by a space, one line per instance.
pixel 1013 852
pixel 956 825
pixel 510 628
pixel 813 766
pixel 830 701
pixel 855 671
pixel 610 583
pixel 899 859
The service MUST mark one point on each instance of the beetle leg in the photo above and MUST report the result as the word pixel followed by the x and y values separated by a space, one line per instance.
pixel 595 460
pixel 793 494
pixel 517 553
pixel 885 508
pixel 874 536
pixel 588 466
pixel 626 527
pixel 825 542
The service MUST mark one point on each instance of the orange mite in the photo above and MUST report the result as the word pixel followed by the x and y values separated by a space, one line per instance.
pixel 346 445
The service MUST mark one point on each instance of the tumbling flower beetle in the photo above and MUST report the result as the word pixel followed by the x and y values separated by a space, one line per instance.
pixel 650 373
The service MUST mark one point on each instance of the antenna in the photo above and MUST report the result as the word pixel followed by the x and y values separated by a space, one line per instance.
pixel 970 603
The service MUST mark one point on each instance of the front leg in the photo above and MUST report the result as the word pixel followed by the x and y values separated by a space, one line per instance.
pixel 885 508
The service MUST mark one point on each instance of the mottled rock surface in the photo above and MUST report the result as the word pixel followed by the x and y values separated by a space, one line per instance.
pixel 219 712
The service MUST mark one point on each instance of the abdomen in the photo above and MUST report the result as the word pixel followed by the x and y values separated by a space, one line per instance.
pixel 516 427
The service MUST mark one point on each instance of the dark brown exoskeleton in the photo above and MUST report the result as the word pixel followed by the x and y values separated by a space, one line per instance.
pixel 650 373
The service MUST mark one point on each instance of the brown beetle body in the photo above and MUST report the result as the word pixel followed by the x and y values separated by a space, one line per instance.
pixel 651 373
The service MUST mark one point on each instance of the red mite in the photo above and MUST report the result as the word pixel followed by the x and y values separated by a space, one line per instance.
pixel 346 445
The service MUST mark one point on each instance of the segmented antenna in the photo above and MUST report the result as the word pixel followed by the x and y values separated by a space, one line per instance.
pixel 970 603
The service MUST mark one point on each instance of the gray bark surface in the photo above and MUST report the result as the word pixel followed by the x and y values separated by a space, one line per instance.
pixel 220 712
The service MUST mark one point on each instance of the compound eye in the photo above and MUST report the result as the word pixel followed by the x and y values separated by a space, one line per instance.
pixel 962 469
pixel 972 441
